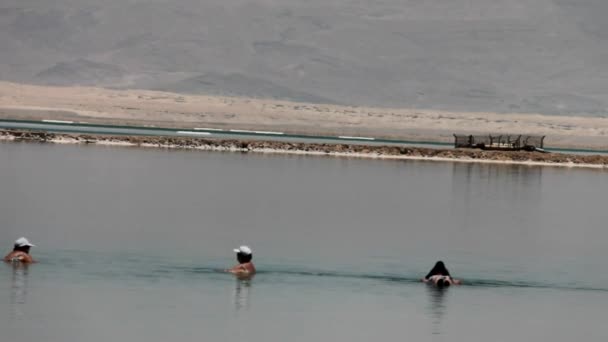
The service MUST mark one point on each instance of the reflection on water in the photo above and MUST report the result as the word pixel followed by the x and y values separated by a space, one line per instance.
pixel 242 293
pixel 19 285
pixel 437 307
pixel 519 184
pixel 495 199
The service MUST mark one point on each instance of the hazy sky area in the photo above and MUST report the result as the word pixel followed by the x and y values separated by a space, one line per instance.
pixel 546 56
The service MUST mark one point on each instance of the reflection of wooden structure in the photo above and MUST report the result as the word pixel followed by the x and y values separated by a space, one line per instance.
pixel 502 142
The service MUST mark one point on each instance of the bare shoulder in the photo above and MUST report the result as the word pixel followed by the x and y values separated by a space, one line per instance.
pixel 10 256
pixel 18 257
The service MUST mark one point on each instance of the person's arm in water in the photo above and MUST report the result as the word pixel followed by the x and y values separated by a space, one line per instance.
pixel 454 281
pixel 247 268
pixel 427 277
pixel 238 269
pixel 19 257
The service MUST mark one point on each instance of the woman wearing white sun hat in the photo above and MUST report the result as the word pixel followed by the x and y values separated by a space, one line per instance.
pixel 21 252
pixel 245 267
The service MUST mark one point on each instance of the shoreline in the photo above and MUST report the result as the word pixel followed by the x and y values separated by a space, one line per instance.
pixel 314 149
pixel 163 109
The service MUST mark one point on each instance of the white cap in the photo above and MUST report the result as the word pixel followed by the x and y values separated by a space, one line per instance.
pixel 243 250
pixel 22 242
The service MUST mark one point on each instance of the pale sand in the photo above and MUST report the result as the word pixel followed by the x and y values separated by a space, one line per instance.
pixel 143 107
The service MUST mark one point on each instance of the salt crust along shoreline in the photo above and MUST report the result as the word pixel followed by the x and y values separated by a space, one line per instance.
pixel 334 150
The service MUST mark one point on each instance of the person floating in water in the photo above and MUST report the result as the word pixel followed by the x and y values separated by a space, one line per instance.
pixel 440 276
pixel 244 255
pixel 21 252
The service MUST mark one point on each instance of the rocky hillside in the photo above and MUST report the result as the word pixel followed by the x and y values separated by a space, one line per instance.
pixel 546 56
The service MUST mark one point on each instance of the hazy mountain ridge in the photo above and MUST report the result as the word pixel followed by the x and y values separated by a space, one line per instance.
pixel 241 86
pixel 80 72
pixel 548 56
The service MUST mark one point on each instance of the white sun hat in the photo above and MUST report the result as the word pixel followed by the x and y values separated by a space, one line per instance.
pixel 243 250
pixel 23 242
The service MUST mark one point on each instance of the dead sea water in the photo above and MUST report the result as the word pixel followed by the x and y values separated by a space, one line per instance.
pixel 129 241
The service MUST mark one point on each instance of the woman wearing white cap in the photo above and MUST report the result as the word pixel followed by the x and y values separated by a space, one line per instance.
pixel 21 252
pixel 244 255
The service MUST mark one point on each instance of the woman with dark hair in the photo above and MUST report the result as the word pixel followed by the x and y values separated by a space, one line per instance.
pixel 440 276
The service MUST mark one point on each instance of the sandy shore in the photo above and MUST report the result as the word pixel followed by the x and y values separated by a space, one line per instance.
pixel 142 107
pixel 337 150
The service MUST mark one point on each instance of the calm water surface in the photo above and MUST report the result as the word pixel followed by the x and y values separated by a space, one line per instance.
pixel 129 241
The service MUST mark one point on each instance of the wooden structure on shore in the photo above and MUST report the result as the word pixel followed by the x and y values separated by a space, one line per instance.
pixel 500 142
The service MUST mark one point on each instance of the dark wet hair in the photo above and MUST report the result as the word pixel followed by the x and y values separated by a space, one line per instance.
pixel 244 258
pixel 24 249
pixel 438 269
